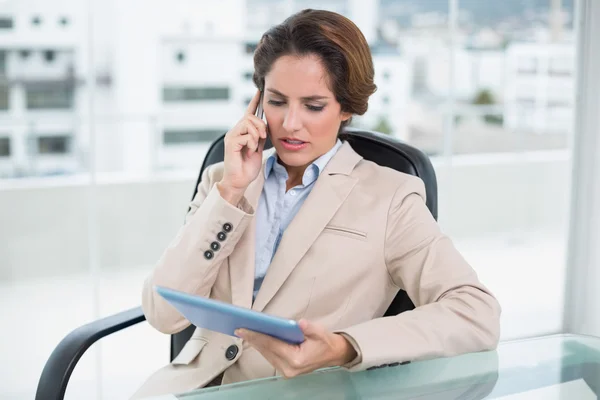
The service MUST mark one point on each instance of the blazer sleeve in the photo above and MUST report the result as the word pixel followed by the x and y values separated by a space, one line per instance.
pixel 454 312
pixel 183 265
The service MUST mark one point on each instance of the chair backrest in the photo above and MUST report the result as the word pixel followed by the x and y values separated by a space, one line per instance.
pixel 381 149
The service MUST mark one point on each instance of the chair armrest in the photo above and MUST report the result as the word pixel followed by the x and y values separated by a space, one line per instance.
pixel 62 361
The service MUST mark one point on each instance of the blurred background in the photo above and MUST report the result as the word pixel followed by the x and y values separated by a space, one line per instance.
pixel 107 108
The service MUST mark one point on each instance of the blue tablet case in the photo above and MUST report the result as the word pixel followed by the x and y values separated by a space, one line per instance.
pixel 226 318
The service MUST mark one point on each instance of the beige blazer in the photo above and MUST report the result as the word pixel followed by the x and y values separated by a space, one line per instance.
pixel 363 233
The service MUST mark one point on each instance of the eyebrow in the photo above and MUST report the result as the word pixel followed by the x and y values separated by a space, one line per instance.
pixel 307 98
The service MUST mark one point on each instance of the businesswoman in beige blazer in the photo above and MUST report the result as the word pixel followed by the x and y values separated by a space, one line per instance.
pixel 313 232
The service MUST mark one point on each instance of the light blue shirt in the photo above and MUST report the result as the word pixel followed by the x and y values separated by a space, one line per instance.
pixel 276 208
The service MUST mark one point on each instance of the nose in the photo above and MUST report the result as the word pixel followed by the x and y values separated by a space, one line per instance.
pixel 292 121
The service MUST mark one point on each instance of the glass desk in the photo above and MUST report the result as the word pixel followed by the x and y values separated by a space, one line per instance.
pixel 551 367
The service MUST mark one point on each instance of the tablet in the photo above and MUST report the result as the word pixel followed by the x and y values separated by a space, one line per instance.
pixel 226 318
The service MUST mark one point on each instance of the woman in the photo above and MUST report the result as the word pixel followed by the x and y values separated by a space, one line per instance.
pixel 313 232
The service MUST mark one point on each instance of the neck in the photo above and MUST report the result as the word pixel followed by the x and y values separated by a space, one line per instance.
pixel 295 175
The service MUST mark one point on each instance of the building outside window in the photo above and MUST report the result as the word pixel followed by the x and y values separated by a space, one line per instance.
pixel 561 66
pixel 3 62
pixel 53 145
pixel 179 94
pixel 250 47
pixel 4 97
pixel 6 23
pixel 189 136
pixel 55 95
pixel 527 66
pixel 4 147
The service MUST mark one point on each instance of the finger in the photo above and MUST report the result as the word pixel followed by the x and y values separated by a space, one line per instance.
pixel 261 145
pixel 259 124
pixel 255 338
pixel 261 344
pixel 247 136
pixel 240 142
pixel 285 357
pixel 253 137
pixel 253 103
pixel 310 329
pixel 268 343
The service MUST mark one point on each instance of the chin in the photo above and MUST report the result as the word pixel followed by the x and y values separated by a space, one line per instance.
pixel 294 160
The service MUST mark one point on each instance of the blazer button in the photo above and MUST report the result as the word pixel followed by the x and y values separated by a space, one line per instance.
pixel 215 246
pixel 227 227
pixel 221 236
pixel 209 255
pixel 231 352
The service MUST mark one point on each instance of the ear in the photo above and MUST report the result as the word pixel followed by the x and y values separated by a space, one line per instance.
pixel 345 116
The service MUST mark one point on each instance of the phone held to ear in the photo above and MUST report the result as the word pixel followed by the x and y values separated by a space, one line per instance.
pixel 260 113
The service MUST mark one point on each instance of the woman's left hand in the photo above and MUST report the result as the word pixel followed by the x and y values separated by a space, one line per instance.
pixel 320 349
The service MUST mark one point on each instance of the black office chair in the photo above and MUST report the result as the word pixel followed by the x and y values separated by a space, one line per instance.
pixel 384 150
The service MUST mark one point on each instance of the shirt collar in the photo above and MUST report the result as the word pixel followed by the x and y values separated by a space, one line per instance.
pixel 317 166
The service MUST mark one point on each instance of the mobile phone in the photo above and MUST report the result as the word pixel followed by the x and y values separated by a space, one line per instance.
pixel 260 113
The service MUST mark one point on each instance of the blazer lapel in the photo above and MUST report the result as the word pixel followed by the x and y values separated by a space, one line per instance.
pixel 242 259
pixel 330 191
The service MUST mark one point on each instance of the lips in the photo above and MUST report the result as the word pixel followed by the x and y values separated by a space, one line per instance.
pixel 293 144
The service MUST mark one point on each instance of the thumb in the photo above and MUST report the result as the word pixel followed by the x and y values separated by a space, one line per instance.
pixel 310 329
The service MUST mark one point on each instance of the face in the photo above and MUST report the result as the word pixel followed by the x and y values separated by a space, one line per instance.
pixel 302 113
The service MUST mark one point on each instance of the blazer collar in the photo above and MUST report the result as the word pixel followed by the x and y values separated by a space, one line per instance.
pixel 344 161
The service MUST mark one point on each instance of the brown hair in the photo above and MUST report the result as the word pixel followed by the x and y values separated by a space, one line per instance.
pixel 339 44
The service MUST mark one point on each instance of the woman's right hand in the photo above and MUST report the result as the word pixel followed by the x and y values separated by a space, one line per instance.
pixel 244 145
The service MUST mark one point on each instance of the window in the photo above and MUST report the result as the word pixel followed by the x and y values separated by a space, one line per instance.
pixel 494 119
pixel 188 136
pixel 2 62
pixel 526 101
pixel 527 66
pixel 56 95
pixel 53 145
pixel 4 147
pixel 6 23
pixel 180 57
pixel 561 66
pixel 386 75
pixel 25 53
pixel 174 94
pixel 63 21
pixel 248 76
pixel 559 103
pixel 503 183
pixel 37 21
pixel 49 56
pixel 251 47
pixel 4 97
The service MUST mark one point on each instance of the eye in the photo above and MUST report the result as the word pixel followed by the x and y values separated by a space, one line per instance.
pixel 315 108
pixel 275 103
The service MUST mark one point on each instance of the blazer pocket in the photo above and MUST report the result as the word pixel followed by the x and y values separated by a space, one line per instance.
pixel 352 233
pixel 190 351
